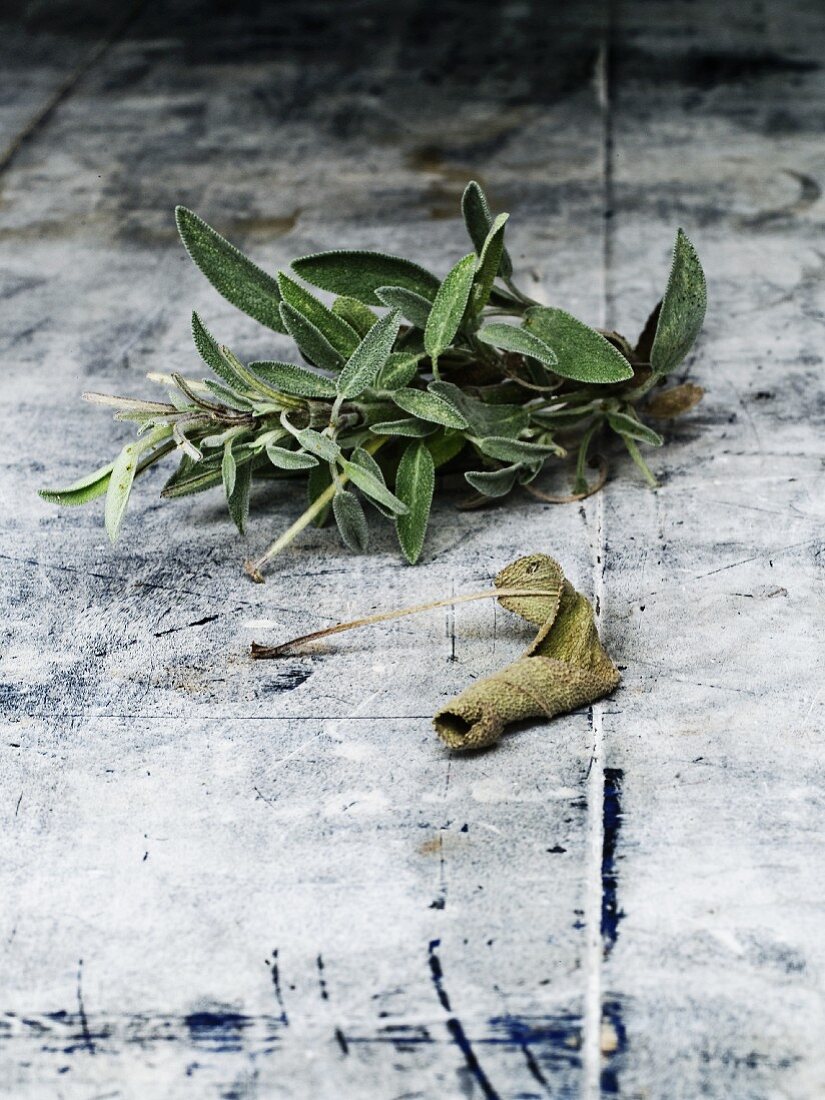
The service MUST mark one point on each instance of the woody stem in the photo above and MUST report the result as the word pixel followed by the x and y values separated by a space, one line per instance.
pixel 263 652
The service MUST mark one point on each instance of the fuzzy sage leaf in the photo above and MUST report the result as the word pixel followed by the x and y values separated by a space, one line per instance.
pixel 479 220
pixel 414 485
pixel 232 274
pixel 583 354
pixel 448 308
pixel 682 311
pixel 369 357
pixel 359 274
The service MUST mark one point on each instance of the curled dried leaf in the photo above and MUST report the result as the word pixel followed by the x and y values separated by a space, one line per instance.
pixel 668 404
pixel 564 667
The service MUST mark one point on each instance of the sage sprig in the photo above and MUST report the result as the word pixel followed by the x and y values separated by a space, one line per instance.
pixel 405 376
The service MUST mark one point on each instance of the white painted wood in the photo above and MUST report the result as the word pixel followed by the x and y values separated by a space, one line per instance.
pixel 173 816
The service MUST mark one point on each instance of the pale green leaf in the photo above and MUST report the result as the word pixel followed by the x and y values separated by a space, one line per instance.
pixel 583 354
pixel 352 523
pixel 479 220
pixel 414 429
pixel 285 459
pixel 448 307
pixel 399 370
pixel 426 406
pixel 228 396
pixel 358 274
pixel 512 450
pixel 310 340
pixel 488 264
pixel 291 379
pixel 414 485
pixel 338 332
pixel 119 487
pixel 317 444
pixel 412 307
pixel 355 313
pixel 511 338
pixel 209 350
pixel 81 492
pixel 683 308
pixel 229 469
pixel 629 426
pixel 370 480
pixel 493 483
pixel 482 418
pixel 238 500
pixel 369 357
pixel 234 276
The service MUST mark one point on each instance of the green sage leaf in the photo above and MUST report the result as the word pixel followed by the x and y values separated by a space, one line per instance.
pixel 310 340
pixel 369 357
pixel 358 274
pixel 512 450
pixel 355 313
pixel 513 338
pixel 446 445
pixel 232 274
pixel 238 500
pixel 209 350
pixel 427 406
pixel 448 308
pixel 352 523
pixel 632 428
pixel 317 444
pixel 414 429
pixel 412 307
pixel 119 487
pixel 291 379
pixel 81 492
pixel 285 459
pixel 488 264
pixel 228 396
pixel 483 419
pixel 364 471
pixel 683 308
pixel 335 330
pixel 479 220
pixel 583 354
pixel 399 370
pixel 493 483
pixel 319 480
pixel 414 484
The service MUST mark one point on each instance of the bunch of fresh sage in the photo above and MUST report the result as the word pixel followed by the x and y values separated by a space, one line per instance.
pixel 406 374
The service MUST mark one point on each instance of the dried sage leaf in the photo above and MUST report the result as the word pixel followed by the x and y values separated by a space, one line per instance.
pixel 565 666
pixel 668 404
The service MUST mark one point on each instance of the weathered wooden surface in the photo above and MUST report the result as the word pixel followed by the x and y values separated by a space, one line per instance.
pixel 222 880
